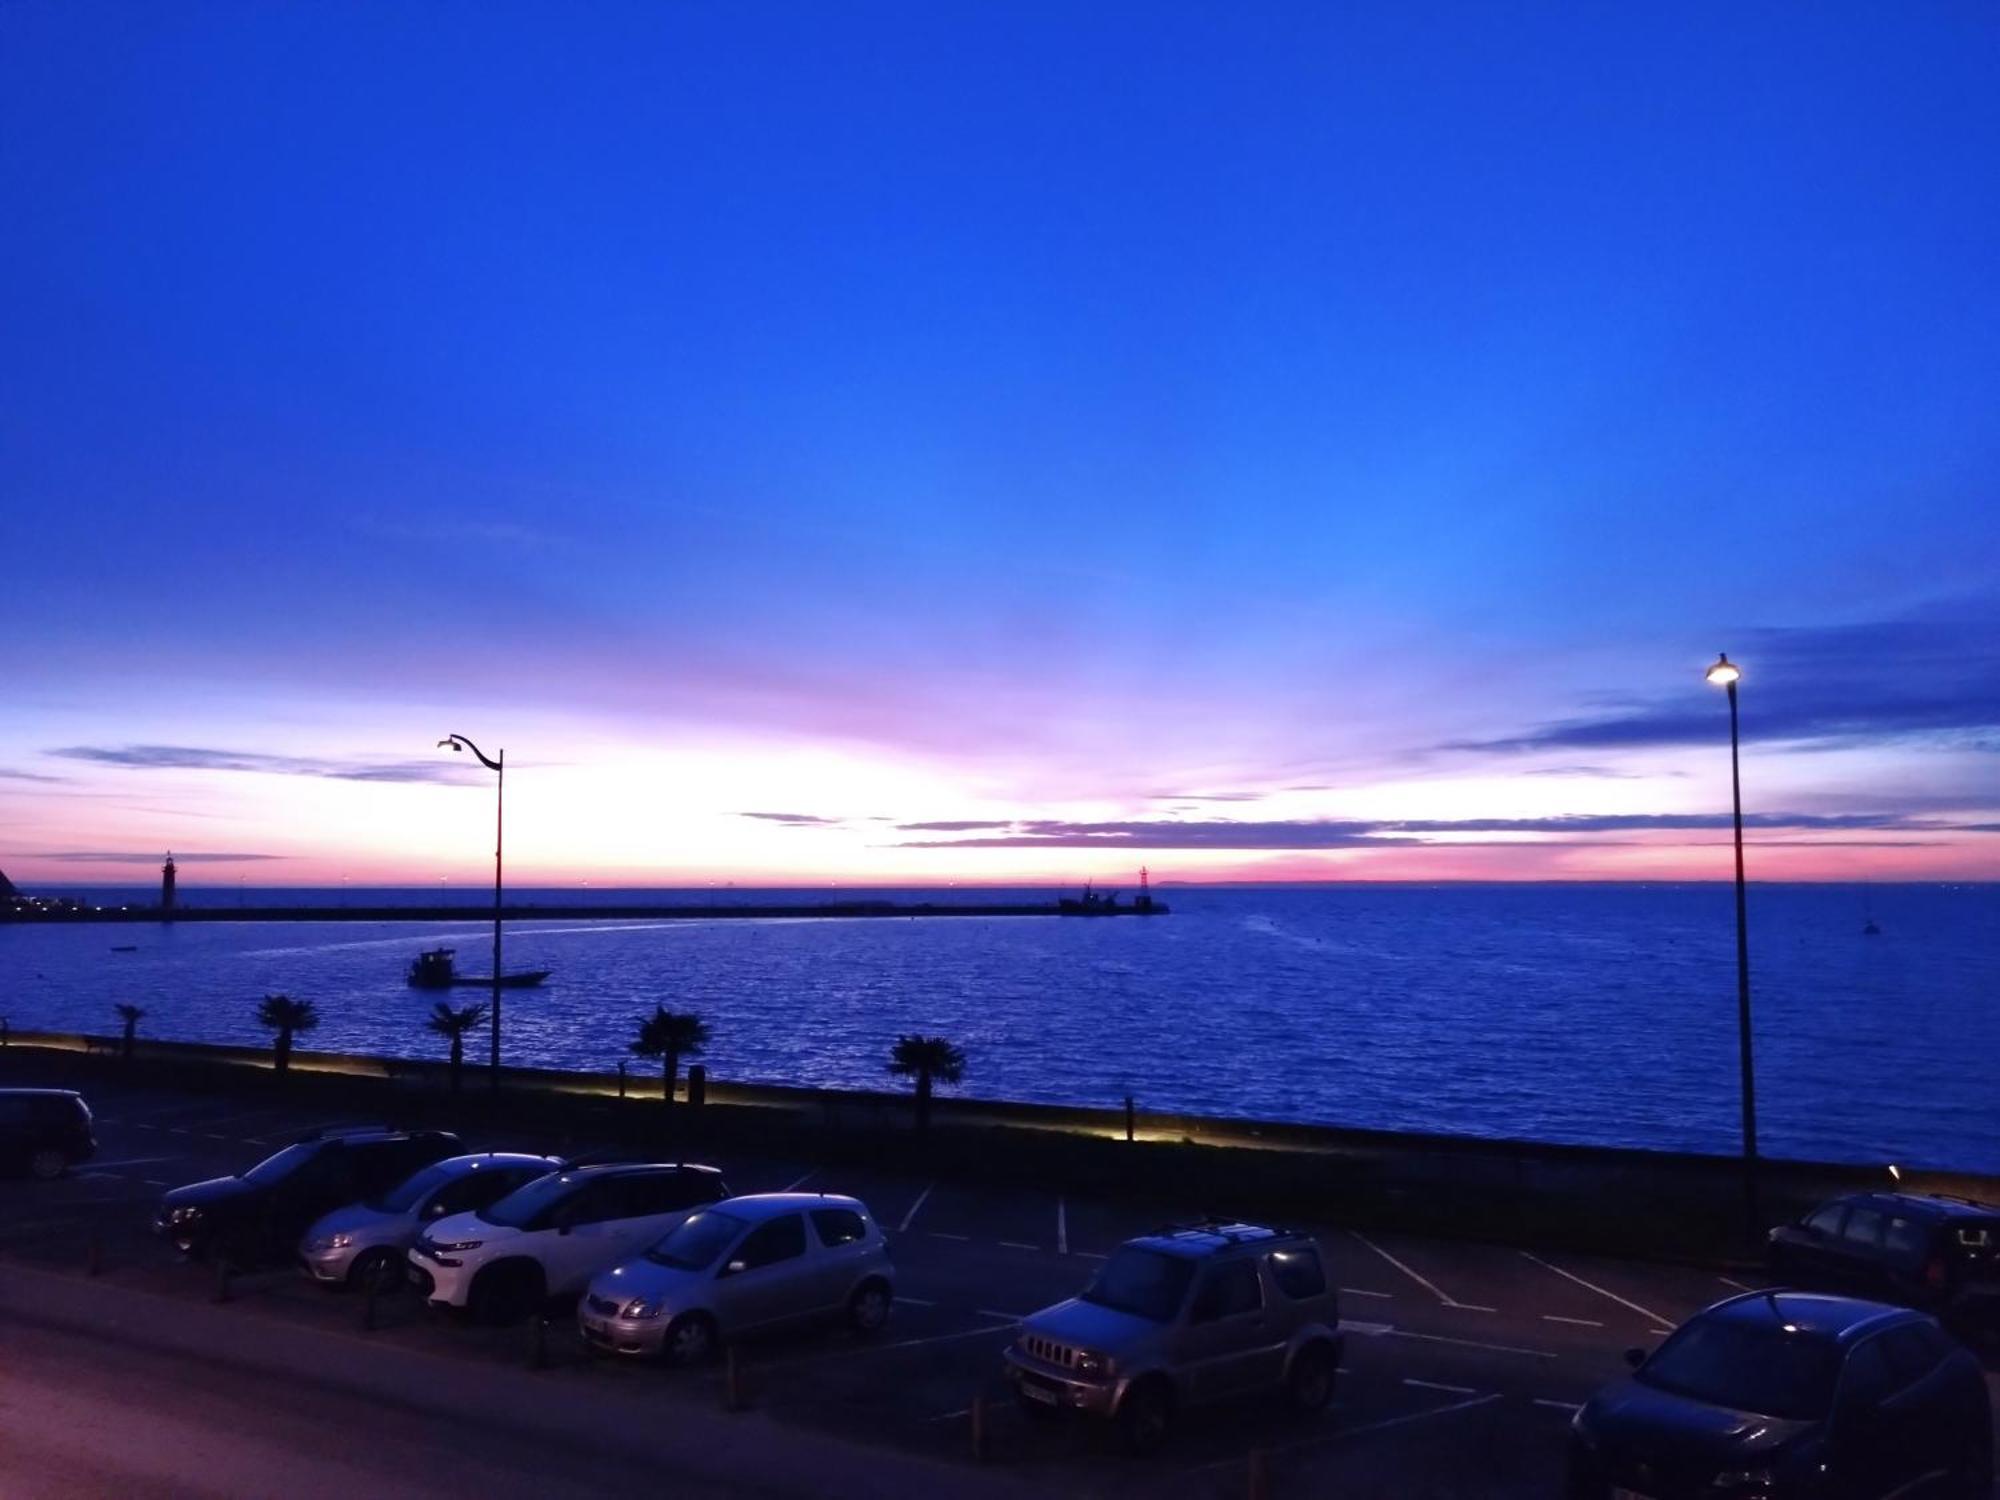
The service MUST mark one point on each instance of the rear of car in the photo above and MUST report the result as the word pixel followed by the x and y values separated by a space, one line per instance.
pixel 1935 1253
pixel 44 1132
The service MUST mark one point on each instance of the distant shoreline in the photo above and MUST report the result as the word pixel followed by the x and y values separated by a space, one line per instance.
pixel 564 913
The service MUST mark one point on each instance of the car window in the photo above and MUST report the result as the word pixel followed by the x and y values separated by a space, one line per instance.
pixel 379 1165
pixel 1863 1229
pixel 1226 1291
pixel 696 1241
pixel 1298 1273
pixel 1906 1240
pixel 13 1111
pixel 1144 1283
pixel 1747 1367
pixel 403 1196
pixel 1868 1379
pixel 474 1190
pixel 280 1164
pixel 1826 1220
pixel 1911 1355
pixel 668 1192
pixel 607 1198
pixel 838 1226
pixel 777 1239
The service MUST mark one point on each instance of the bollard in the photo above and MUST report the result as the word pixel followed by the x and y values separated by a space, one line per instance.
pixel 369 1285
pixel 697 1094
pixel 221 1278
pixel 1128 1117
pixel 621 1078
pixel 977 1414
pixel 93 1253
pixel 538 1342
pixel 732 1380
pixel 1258 1485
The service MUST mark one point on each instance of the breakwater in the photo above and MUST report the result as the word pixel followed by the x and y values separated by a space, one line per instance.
pixel 539 912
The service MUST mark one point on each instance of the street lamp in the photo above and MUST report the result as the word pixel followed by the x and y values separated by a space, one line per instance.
pixel 1725 674
pixel 499 769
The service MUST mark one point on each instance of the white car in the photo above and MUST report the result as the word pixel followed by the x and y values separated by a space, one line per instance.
pixel 370 1240
pixel 741 1265
pixel 549 1238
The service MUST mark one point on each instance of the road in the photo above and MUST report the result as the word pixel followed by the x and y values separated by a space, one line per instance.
pixel 1464 1364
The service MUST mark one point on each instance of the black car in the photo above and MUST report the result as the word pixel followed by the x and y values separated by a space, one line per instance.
pixel 258 1218
pixel 1916 1249
pixel 1775 1395
pixel 44 1132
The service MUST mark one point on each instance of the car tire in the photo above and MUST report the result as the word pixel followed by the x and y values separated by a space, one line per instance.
pixel 1310 1381
pixel 47 1164
pixel 382 1266
pixel 868 1308
pixel 1145 1417
pixel 691 1339
pixel 505 1293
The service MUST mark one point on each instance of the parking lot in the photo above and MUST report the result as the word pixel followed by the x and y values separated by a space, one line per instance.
pixel 1463 1362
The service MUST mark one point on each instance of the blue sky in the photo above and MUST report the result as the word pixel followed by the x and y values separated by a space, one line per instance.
pixel 1055 416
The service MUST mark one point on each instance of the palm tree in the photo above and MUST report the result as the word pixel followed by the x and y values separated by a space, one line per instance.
pixel 453 1024
pixel 929 1059
pixel 131 1015
pixel 284 1015
pixel 670 1035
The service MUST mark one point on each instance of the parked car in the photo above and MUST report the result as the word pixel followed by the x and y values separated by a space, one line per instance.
pixel 371 1240
pixel 258 1218
pixel 743 1265
pixel 1920 1250
pixel 550 1238
pixel 44 1132
pixel 1777 1395
pixel 1188 1315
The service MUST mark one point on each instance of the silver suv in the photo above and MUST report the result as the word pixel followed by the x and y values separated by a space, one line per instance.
pixel 1190 1314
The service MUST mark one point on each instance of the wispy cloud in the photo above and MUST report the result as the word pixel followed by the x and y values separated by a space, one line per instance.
pixel 195 758
pixel 794 820
pixel 7 774
pixel 955 825
pixel 1352 834
pixel 111 857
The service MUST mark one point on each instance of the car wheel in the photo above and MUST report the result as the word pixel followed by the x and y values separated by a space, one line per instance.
pixel 383 1267
pixel 1144 1418
pixel 505 1294
pixel 868 1308
pixel 691 1340
pixel 47 1164
pixel 1311 1379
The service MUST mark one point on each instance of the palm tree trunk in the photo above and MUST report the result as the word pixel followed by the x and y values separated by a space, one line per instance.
pixel 670 1067
pixel 924 1099
pixel 130 1027
pixel 457 1062
pixel 281 1051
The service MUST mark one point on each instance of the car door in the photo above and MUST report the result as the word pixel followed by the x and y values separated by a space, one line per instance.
pixel 586 1234
pixel 1227 1328
pixel 768 1276
pixel 1872 1441
pixel 660 1200
pixel 843 1250
pixel 16 1130
pixel 1921 1405
pixel 324 1182
pixel 1803 1252
pixel 1856 1256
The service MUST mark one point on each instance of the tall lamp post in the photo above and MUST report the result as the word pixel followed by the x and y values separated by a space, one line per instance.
pixel 1725 674
pixel 499 769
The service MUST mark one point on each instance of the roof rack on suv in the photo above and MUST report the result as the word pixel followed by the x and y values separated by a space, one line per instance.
pixel 351 1127
pixel 606 1156
pixel 1235 1231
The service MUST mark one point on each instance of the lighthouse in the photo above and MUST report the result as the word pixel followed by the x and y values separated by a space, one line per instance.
pixel 167 884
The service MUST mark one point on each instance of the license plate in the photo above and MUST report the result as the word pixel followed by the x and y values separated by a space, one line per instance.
pixel 1039 1393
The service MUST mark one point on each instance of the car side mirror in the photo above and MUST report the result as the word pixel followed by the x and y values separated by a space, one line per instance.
pixel 1635 1357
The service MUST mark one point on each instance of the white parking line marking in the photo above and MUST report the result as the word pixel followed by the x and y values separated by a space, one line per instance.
pixel 1665 1333
pixel 911 1217
pixel 1429 1286
pixel 1062 1227
pixel 1434 1385
pixel 1644 1312
pixel 939 1234
pixel 1089 1255
pixel 176 1130
pixel 1005 1317
pixel 1362 1291
pixel 856 1350
pixel 154 1181
pixel 1439 1338
pixel 1579 1322
pixel 1571 1407
pixel 1732 1281
pixel 946 1416
pixel 793 1187
pixel 1018 1245
pixel 1366 1330
pixel 914 1301
pixel 129 1161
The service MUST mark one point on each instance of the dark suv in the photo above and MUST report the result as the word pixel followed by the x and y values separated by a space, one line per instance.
pixel 258 1218
pixel 1920 1250
pixel 1791 1396
pixel 44 1132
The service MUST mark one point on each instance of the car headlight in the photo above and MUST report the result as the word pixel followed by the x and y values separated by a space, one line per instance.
pixel 186 1214
pixel 329 1242
pixel 643 1307
pixel 453 1246
pixel 1093 1364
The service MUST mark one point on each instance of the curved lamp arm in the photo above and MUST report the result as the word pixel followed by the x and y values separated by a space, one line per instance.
pixel 460 742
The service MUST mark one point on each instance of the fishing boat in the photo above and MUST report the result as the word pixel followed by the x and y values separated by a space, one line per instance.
pixel 437 969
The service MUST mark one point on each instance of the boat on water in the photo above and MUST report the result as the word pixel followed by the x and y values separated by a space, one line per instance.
pixel 1092 903
pixel 437 969
pixel 124 947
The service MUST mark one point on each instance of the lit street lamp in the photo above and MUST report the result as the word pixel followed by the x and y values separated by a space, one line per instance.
pixel 1725 674
pixel 499 769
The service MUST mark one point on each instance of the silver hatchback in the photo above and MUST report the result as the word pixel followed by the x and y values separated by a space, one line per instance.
pixel 372 1239
pixel 740 1265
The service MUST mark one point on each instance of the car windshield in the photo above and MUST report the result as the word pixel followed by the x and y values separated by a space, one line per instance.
pixel 1765 1370
pixel 1144 1283
pixel 697 1241
pixel 283 1164
pixel 413 1189
pixel 526 1204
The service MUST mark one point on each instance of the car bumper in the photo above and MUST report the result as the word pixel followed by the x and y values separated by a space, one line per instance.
pixel 638 1338
pixel 440 1285
pixel 327 1265
pixel 1052 1386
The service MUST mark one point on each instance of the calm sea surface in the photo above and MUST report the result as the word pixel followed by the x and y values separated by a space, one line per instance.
pixel 1593 1013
